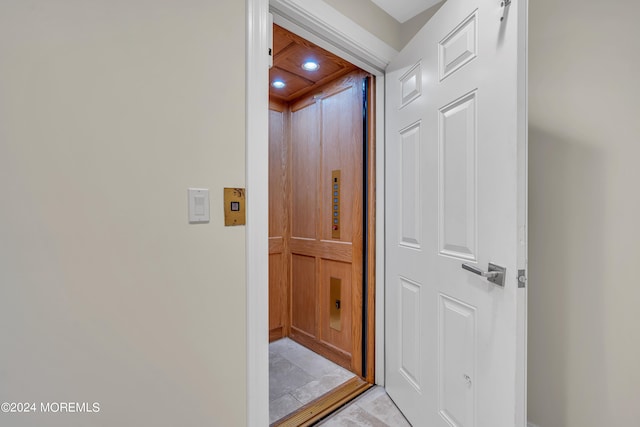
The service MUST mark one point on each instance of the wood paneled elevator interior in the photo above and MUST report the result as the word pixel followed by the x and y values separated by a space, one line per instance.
pixel 317 200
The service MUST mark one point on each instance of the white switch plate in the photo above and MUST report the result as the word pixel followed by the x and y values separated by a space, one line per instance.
pixel 198 205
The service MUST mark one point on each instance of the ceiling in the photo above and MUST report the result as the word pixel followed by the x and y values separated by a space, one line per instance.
pixel 289 53
pixel 403 10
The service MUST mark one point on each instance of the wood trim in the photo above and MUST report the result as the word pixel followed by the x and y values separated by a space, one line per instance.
pixel 323 348
pixel 325 404
pixel 276 333
pixel 277 105
pixel 334 251
pixel 276 245
pixel 357 298
pixel 329 89
pixel 369 375
pixel 286 158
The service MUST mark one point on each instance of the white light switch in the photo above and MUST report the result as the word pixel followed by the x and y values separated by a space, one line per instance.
pixel 198 205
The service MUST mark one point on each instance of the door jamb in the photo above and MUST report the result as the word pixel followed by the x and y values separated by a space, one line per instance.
pixel 323 25
pixel 257 228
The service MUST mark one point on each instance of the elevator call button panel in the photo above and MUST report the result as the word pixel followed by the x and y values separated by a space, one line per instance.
pixel 234 206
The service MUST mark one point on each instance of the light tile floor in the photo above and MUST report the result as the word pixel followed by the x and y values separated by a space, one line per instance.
pixel 374 408
pixel 297 376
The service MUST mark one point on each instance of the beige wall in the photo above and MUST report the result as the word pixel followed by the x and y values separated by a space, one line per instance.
pixel 379 23
pixel 584 320
pixel 411 27
pixel 372 18
pixel 109 110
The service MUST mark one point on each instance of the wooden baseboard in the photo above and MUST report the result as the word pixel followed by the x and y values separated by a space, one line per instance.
pixel 324 405
pixel 276 334
pixel 324 349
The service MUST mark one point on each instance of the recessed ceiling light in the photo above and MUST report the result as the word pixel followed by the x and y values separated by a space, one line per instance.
pixel 310 66
pixel 278 84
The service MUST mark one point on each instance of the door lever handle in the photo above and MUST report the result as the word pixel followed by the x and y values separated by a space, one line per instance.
pixel 494 275
pixel 480 272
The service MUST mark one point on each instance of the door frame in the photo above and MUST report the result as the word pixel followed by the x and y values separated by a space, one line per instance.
pixel 324 26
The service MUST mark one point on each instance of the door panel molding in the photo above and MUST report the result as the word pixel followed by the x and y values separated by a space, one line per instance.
pixel 459 47
pixel 409 331
pixel 410 198
pixel 457 192
pixel 411 84
pixel 457 337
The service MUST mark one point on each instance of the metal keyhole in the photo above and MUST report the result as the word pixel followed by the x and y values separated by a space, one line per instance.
pixel 338 304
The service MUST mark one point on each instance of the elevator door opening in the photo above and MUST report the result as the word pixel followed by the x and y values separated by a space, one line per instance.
pixel 321 198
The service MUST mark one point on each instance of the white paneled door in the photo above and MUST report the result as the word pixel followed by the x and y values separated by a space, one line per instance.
pixel 456 192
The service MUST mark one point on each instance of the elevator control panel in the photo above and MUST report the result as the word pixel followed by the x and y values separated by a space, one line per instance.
pixel 335 211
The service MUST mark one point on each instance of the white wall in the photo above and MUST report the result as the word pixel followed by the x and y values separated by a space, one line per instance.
pixel 584 206
pixel 109 110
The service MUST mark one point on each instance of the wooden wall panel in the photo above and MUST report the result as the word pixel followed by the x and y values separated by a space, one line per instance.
pixel 342 149
pixel 277 299
pixel 327 135
pixel 278 222
pixel 277 163
pixel 310 138
pixel 305 155
pixel 304 294
pixel 330 336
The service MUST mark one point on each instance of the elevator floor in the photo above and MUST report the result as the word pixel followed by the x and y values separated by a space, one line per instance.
pixel 298 376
